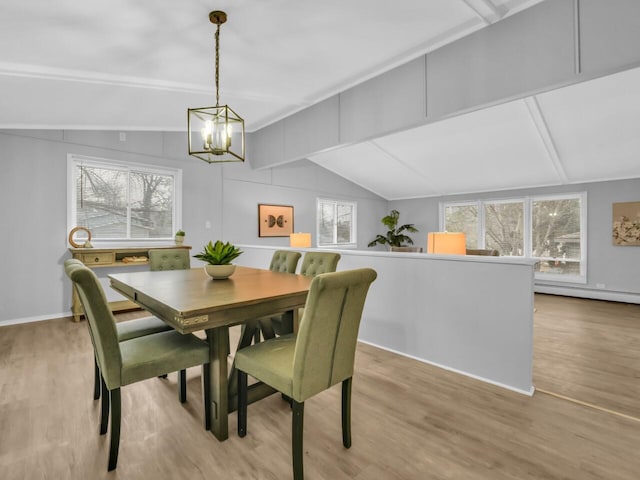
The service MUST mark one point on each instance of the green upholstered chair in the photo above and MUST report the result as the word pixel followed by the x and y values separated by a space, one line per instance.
pixel 172 259
pixel 133 360
pixel 169 259
pixel 285 261
pixel 313 264
pixel 126 331
pixel 318 357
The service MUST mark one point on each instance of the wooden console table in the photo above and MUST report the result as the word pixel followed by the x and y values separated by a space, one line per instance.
pixel 115 257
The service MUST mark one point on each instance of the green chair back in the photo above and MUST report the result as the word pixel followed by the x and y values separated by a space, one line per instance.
pixel 169 259
pixel 284 261
pixel 326 341
pixel 102 324
pixel 315 263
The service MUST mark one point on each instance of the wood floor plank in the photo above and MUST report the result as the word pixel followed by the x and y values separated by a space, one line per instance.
pixel 588 350
pixel 410 421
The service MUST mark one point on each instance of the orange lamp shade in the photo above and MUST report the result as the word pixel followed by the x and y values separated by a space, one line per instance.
pixel 300 240
pixel 451 243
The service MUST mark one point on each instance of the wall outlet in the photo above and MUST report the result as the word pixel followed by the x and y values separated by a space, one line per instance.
pixel 123 136
pixel 600 285
pixel 207 224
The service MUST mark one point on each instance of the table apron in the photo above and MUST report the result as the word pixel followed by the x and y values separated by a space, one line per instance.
pixel 227 316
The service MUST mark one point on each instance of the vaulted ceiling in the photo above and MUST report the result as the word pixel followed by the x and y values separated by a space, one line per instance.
pixel 578 134
pixel 124 65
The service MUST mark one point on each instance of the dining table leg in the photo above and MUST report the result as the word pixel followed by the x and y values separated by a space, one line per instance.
pixel 218 339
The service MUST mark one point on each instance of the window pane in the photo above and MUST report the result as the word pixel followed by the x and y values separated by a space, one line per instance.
pixel 345 220
pixel 463 218
pixel 556 235
pixel 504 227
pixel 556 228
pixel 336 223
pixel 117 201
pixel 326 222
pixel 101 201
pixel 561 267
pixel 151 205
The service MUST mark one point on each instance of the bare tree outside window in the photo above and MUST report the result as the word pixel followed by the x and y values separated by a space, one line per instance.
pixel 504 227
pixel 554 223
pixel 463 218
pixel 336 223
pixel 121 202
pixel 556 236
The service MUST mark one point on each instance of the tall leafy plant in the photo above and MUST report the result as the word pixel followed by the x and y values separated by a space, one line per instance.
pixel 395 236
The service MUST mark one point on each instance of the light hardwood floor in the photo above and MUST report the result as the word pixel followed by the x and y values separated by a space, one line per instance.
pixel 588 350
pixel 410 421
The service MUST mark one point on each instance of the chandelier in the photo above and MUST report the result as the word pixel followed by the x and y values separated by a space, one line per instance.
pixel 216 134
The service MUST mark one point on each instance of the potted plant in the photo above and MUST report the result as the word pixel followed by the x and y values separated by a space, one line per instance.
pixel 395 236
pixel 179 237
pixel 219 257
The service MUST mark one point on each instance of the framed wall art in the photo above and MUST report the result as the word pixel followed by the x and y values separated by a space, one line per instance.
pixel 626 223
pixel 275 220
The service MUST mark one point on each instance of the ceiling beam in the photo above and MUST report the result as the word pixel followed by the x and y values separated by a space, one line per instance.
pixel 486 10
pixel 537 117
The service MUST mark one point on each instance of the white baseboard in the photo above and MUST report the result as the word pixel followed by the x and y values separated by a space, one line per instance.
pixel 40 318
pixel 529 392
pixel 610 296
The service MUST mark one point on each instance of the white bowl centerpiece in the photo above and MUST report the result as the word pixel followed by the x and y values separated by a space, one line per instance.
pixel 219 257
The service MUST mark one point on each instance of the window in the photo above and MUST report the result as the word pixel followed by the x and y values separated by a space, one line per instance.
pixel 336 223
pixel 463 218
pixel 556 236
pixel 551 229
pixel 118 201
pixel 504 227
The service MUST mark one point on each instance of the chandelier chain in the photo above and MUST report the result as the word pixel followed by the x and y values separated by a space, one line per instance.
pixel 217 64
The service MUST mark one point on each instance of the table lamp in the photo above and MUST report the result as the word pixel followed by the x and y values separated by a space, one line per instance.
pixel 451 243
pixel 300 240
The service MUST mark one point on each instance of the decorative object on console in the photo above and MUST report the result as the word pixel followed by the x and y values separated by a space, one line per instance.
pixel 395 236
pixel 451 243
pixel 135 259
pixel 86 243
pixel 219 257
pixel 275 220
pixel 216 134
pixel 626 223
pixel 300 240
pixel 179 237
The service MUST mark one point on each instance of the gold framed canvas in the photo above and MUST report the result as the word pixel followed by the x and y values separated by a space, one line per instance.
pixel 275 220
pixel 626 223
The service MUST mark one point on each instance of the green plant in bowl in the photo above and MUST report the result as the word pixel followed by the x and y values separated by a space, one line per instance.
pixel 218 253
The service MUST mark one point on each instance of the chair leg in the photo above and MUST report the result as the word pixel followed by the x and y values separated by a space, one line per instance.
pixel 242 403
pixel 104 411
pixel 96 379
pixel 266 326
pixel 206 396
pixel 182 386
pixel 346 412
pixel 297 425
pixel 115 428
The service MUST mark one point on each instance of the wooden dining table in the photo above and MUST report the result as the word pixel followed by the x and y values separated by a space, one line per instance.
pixel 191 301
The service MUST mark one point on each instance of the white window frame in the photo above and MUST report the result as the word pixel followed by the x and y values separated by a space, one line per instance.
pixel 550 277
pixel 75 160
pixel 354 223
pixel 528 229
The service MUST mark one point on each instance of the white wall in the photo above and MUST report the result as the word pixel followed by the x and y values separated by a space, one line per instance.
pixel 33 208
pixel 472 315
